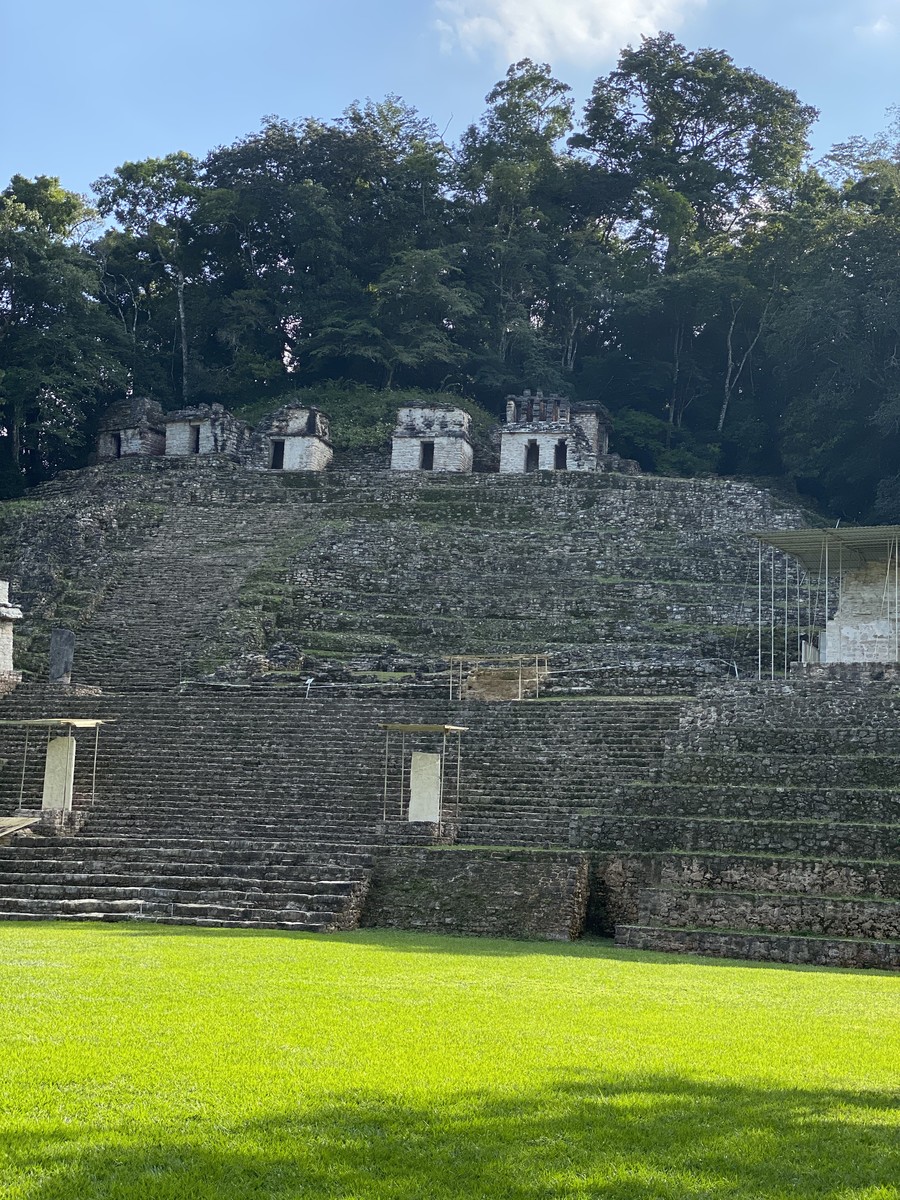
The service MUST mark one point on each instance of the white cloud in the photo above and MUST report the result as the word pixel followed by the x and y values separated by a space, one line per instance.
pixel 581 31
pixel 883 22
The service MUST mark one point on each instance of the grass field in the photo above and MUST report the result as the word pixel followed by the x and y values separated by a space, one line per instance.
pixel 139 1063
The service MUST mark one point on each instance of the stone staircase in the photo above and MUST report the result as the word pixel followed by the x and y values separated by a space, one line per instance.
pixel 261 806
pixel 770 831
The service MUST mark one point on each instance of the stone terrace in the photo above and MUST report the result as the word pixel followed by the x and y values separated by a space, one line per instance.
pixel 168 568
pixel 771 829
pixel 758 820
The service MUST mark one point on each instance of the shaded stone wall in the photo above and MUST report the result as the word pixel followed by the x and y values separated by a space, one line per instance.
pixel 488 893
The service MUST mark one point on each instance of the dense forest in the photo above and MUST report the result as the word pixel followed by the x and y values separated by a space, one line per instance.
pixel 672 252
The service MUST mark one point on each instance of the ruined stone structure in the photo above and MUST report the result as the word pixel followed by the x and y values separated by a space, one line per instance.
pixel 653 800
pixel 550 433
pixel 430 437
pixel 291 439
pixel 131 427
pixel 205 429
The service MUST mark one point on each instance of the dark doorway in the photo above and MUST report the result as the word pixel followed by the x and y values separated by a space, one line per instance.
pixel 311 430
pixel 195 439
pixel 277 455
pixel 560 455
pixel 532 456
pixel 427 456
pixel 118 444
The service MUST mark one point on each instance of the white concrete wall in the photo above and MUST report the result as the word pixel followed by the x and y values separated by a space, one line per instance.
pixel 863 628
pixel 452 454
pixel 513 445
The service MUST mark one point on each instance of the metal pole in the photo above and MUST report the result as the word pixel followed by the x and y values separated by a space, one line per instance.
pixel 441 794
pixel 759 613
pixel 520 678
pixel 785 616
pixel 402 761
pixel 537 679
pixel 94 769
pixel 799 643
pixel 840 624
pixel 24 761
pixel 772 616
pixel 825 622
pixel 458 767
pixel 451 676
pixel 387 742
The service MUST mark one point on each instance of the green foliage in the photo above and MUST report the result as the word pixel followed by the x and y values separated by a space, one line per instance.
pixel 362 418
pixel 669 254
pixel 143 1063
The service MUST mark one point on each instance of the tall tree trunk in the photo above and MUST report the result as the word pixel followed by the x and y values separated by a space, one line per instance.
pixel 676 373
pixel 185 390
pixel 734 370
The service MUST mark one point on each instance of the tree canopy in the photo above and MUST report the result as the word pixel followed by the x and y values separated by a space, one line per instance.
pixel 671 252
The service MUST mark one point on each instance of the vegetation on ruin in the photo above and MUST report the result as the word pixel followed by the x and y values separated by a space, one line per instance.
pixel 671 251
pixel 142 1063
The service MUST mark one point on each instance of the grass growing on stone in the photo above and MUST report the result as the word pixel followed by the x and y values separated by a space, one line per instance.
pixel 140 1063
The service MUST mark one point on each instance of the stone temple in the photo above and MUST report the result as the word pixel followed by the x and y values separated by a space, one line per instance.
pixel 685 732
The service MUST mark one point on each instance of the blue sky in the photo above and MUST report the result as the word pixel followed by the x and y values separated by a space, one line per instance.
pixel 90 85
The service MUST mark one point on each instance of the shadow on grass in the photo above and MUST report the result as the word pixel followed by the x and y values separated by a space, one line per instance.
pixel 404 942
pixel 640 1138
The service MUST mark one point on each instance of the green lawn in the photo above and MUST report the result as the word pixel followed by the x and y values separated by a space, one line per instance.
pixel 140 1063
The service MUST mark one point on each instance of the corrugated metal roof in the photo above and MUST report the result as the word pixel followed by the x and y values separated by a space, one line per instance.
pixel 846 546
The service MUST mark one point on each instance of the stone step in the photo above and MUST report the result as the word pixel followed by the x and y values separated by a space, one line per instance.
pixel 771 912
pixel 763 947
pixel 807 838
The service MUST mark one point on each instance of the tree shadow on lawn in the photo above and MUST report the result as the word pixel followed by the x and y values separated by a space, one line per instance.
pixel 632 1138
pixel 406 942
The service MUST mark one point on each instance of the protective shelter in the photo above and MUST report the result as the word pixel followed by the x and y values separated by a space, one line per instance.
pixel 418 782
pixel 59 759
pixel 841 600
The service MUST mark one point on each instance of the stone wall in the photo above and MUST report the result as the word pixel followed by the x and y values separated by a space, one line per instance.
pixel 514 445
pixel 218 432
pixel 489 893
pixel 451 454
pixel 613 576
